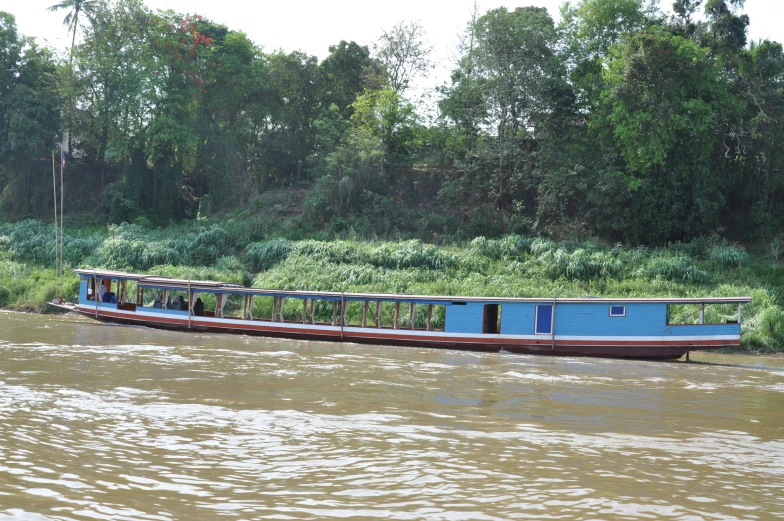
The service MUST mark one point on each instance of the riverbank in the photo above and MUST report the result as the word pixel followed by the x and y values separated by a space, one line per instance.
pixel 512 266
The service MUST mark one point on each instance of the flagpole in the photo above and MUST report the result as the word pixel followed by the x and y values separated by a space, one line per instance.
pixel 56 242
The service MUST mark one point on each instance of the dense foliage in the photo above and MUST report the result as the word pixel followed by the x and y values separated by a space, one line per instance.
pixel 617 122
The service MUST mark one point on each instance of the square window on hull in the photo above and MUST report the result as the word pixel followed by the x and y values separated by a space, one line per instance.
pixel 617 311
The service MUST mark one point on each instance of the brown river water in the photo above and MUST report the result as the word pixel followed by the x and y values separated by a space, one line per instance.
pixel 126 423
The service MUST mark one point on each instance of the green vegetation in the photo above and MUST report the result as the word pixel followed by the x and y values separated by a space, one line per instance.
pixel 619 122
pixel 511 266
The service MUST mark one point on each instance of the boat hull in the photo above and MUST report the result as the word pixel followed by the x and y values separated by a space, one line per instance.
pixel 645 348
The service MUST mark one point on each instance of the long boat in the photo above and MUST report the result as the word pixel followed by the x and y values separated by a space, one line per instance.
pixel 590 326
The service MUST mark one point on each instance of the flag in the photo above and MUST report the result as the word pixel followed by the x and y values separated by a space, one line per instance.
pixel 62 158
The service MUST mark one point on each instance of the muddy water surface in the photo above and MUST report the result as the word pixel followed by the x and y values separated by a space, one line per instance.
pixel 123 423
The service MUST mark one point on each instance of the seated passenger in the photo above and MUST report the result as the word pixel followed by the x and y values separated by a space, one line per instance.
pixel 179 303
pixel 157 303
pixel 198 308
pixel 168 303
pixel 113 299
pixel 107 295
pixel 101 291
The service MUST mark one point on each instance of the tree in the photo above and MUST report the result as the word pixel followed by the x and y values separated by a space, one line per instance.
pixel 755 195
pixel 589 29
pixel 77 7
pixel 29 116
pixel 294 90
pixel 593 26
pixel 344 74
pixel 512 80
pixel 683 11
pixel 665 107
pixel 725 32
pixel 404 53
pixel 10 51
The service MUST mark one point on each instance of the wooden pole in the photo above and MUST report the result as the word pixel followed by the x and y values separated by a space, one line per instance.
pixel 62 235
pixel 282 301
pixel 552 324
pixel 95 292
pixel 411 315
pixel 312 311
pixel 342 314
pixel 56 232
pixel 430 317
pixel 304 310
pixel 378 313
pixel 397 315
pixel 189 302
pixel 365 313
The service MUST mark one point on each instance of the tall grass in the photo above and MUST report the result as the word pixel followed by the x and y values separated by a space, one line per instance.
pixel 727 256
pixel 673 267
pixel 263 255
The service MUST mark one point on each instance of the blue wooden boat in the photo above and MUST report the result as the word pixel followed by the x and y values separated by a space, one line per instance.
pixel 609 327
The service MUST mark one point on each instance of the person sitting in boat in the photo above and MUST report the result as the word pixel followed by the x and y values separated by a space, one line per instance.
pixel 157 303
pixel 198 308
pixel 168 303
pixel 101 291
pixel 179 303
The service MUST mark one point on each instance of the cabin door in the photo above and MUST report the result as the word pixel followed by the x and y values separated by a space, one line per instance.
pixel 491 321
pixel 543 321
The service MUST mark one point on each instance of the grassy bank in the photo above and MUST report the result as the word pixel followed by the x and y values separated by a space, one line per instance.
pixel 513 266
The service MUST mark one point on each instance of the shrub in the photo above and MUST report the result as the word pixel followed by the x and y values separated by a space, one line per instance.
pixel 263 255
pixel 727 256
pixel 540 245
pixel 675 268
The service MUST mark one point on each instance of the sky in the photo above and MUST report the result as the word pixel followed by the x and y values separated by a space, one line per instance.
pixel 313 25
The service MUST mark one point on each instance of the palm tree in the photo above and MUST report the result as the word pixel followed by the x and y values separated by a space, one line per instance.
pixel 88 7
pixel 75 7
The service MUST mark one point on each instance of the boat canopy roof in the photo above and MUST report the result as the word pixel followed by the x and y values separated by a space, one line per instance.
pixel 165 283
pixel 107 274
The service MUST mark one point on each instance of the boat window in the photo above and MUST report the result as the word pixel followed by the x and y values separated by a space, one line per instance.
pixel 438 318
pixel 543 321
pixel 177 303
pixel 617 311
pixel 491 321
pixel 692 314
pixel 683 314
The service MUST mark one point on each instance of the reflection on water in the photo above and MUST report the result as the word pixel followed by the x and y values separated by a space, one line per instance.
pixel 110 422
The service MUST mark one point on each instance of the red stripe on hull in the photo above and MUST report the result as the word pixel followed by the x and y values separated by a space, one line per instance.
pixel 598 348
